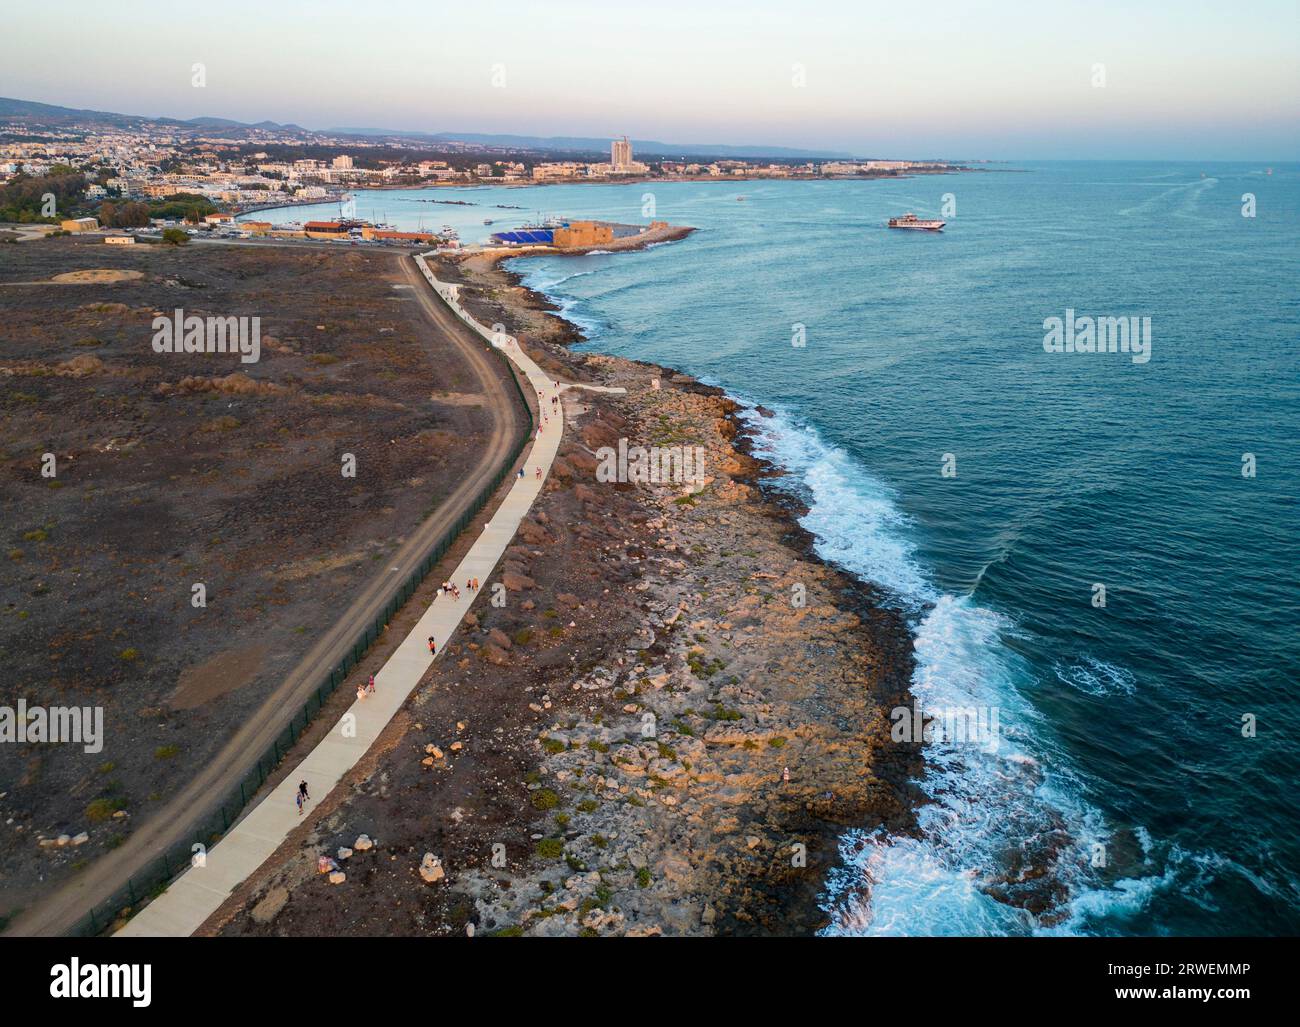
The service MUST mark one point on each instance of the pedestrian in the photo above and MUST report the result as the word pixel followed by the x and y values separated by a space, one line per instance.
pixel 433 648
pixel 785 775
pixel 298 797
pixel 302 790
pixel 521 472
pixel 469 584
pixel 539 472
pixel 370 686
pixel 476 584
pixel 361 693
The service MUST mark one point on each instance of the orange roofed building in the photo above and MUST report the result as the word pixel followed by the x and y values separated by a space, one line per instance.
pixel 325 230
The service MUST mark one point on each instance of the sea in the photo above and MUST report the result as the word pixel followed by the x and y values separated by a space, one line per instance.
pixel 1097 552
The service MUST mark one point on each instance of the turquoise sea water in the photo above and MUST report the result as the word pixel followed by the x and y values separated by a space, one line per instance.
pixel 1121 796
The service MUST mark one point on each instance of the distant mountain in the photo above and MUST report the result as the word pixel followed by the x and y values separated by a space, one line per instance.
pixel 598 144
pixel 52 114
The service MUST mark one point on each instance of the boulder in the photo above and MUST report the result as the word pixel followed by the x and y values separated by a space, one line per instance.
pixel 363 843
pixel 516 582
pixel 431 868
pixel 338 877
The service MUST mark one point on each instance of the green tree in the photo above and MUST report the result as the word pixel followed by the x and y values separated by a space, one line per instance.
pixel 175 236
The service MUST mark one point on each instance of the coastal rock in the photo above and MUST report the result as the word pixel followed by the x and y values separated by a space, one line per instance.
pixel 517 582
pixel 363 843
pixel 431 868
pixel 338 877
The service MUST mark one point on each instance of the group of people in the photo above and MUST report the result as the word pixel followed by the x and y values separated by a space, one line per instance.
pixel 449 587
pixel 369 686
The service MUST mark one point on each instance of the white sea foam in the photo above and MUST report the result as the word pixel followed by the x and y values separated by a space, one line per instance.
pixel 1096 677
pixel 1023 797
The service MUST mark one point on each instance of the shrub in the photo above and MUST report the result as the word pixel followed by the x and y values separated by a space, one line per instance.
pixel 550 848
pixel 544 798
pixel 100 810
pixel 175 236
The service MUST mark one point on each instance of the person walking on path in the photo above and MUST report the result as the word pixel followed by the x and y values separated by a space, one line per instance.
pixel 785 775
pixel 302 790
pixel 370 685
pixel 298 798
pixel 433 647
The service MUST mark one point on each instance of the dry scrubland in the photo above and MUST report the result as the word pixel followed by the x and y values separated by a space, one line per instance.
pixel 176 469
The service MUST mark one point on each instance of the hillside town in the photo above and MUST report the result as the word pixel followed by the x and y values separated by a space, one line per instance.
pixel 235 171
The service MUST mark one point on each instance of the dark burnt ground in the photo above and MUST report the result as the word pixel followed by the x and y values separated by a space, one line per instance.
pixel 184 468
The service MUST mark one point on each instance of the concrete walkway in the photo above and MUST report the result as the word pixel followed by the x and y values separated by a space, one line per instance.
pixel 198 893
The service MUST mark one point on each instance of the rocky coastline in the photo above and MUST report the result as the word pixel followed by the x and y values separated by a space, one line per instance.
pixel 667 727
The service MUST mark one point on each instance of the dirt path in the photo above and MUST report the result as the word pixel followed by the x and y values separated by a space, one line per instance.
pixel 59 911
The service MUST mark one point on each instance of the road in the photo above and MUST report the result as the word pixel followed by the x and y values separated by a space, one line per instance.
pixel 59 911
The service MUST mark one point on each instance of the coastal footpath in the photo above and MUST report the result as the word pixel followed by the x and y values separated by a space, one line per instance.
pixel 188 901
pixel 667 727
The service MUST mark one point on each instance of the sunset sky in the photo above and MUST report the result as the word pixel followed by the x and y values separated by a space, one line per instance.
pixel 1183 80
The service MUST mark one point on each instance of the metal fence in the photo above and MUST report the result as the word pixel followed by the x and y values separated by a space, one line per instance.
pixel 153 879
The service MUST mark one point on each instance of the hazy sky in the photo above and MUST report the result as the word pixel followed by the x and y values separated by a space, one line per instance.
pixel 1183 80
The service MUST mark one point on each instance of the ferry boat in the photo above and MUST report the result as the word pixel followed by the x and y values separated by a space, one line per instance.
pixel 910 220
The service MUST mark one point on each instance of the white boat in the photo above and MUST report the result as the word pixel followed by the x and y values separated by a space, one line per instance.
pixel 910 220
